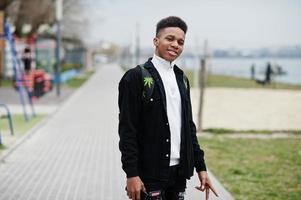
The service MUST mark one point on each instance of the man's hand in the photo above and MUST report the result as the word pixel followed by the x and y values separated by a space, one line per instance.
pixel 133 187
pixel 205 184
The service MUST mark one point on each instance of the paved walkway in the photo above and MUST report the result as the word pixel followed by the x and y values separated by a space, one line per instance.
pixel 74 154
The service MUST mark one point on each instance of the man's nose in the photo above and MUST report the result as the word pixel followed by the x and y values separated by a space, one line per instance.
pixel 175 44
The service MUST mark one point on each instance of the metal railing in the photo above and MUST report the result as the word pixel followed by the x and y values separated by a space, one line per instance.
pixel 9 118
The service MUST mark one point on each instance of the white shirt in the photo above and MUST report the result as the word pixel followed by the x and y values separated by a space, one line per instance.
pixel 173 104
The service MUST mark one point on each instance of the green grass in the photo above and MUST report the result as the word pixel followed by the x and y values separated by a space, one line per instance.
pixel 256 169
pixel 19 124
pixel 2 147
pixel 74 82
pixel 219 130
pixel 229 131
pixel 79 80
pixel 6 83
pixel 214 80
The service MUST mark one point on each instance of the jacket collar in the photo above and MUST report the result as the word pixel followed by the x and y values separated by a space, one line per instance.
pixel 162 63
pixel 149 65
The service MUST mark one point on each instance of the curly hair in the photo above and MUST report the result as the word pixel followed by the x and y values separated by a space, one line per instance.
pixel 171 21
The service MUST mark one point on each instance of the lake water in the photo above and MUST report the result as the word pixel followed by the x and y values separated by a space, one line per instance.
pixel 241 67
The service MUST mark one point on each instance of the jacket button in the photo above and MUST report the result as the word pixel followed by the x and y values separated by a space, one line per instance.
pixel 151 99
pixel 166 155
pixel 167 140
pixel 167 124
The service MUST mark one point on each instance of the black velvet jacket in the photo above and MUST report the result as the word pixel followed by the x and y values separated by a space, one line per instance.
pixel 144 130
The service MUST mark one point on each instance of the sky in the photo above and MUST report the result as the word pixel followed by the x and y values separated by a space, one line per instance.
pixel 243 24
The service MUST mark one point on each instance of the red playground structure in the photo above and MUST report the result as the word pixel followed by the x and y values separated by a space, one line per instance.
pixel 37 81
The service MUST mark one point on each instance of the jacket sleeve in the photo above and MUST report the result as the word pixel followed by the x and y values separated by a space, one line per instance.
pixel 129 102
pixel 199 161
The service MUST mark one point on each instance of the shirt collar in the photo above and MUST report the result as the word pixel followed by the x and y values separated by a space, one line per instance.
pixel 161 62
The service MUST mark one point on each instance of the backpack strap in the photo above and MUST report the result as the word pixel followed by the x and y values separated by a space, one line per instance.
pixel 148 84
pixel 185 81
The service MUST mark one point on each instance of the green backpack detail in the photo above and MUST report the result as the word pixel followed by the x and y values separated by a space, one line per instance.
pixel 148 81
pixel 149 84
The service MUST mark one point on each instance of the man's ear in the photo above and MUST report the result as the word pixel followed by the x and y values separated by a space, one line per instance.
pixel 156 41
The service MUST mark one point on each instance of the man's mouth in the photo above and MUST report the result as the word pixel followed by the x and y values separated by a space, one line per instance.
pixel 173 53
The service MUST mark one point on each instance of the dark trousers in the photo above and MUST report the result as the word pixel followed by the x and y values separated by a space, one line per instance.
pixel 173 189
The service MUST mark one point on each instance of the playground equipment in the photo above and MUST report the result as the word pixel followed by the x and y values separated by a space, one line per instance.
pixel 31 84
pixel 19 74
pixel 37 81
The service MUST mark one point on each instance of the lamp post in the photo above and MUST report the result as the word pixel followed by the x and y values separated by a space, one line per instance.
pixel 59 16
pixel 1 44
pixel 137 49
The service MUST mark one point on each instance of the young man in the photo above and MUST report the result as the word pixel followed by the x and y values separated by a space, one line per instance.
pixel 158 139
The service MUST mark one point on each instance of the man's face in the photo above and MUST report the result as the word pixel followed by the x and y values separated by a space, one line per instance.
pixel 169 43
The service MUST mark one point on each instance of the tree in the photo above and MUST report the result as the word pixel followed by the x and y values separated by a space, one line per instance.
pixel 4 4
pixel 75 22
pixel 28 14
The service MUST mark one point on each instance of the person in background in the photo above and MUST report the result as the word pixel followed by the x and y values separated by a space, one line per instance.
pixel 268 73
pixel 253 71
pixel 27 59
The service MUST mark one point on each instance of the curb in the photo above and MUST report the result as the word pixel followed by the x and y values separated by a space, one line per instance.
pixel 226 194
pixel 26 136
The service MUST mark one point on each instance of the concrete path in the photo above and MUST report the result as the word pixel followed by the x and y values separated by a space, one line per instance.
pixel 74 154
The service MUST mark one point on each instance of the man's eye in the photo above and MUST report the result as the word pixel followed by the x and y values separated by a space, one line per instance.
pixel 181 42
pixel 169 39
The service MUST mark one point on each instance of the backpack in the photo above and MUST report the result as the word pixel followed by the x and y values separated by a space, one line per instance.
pixel 148 83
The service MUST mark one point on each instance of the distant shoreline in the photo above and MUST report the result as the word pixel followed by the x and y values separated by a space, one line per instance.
pixel 273 81
pixel 241 67
pixel 231 81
